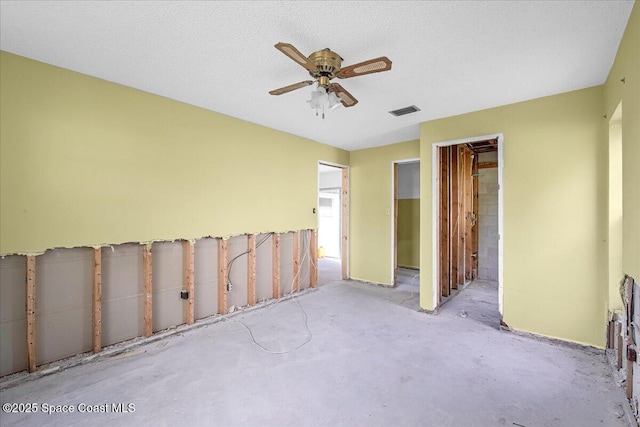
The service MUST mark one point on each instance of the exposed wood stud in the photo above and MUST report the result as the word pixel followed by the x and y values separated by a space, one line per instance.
pixel 31 313
pixel 454 213
pixel 444 222
pixel 223 277
pixel 251 268
pixel 487 165
pixel 296 261
pixel 97 300
pixel 462 223
pixel 468 211
pixel 189 282
pixel 275 263
pixel 344 253
pixel 313 268
pixel 618 344
pixel 147 273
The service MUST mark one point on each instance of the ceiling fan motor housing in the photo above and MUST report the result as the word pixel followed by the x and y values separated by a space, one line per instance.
pixel 328 64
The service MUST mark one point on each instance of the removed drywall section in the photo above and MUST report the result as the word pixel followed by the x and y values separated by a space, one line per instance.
pixel 77 172
pixel 286 263
pixel 63 303
pixel 206 277
pixel 65 280
pixel 488 219
pixel 122 288
pixel 13 318
pixel 555 210
pixel 264 267
pixel 371 207
pixel 305 260
pixel 167 284
pixel 237 295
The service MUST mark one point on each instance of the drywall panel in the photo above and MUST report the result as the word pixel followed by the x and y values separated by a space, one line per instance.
pixel 206 277
pixel 122 288
pixel 64 288
pixel 91 173
pixel 623 85
pixel 409 233
pixel 371 208
pixel 487 223
pixel 555 210
pixel 264 268
pixel 13 315
pixel 237 247
pixel 409 180
pixel 286 263
pixel 167 284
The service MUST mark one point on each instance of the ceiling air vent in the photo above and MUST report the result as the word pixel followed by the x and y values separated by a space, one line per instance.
pixel 406 110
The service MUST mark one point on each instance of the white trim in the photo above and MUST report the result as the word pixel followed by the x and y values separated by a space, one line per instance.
pixel 339 166
pixel 392 211
pixel 435 203
pixel 500 223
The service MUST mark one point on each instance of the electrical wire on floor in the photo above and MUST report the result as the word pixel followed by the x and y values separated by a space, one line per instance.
pixel 230 263
pixel 305 240
pixel 266 350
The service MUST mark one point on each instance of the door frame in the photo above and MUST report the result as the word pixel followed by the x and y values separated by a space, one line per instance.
pixel 344 211
pixel 394 214
pixel 435 211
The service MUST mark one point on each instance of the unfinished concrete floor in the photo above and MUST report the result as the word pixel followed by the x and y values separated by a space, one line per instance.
pixel 371 361
pixel 329 270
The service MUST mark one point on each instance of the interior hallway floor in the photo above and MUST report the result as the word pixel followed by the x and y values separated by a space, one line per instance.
pixel 329 270
pixel 370 361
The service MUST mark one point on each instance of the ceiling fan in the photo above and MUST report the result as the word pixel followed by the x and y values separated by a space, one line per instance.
pixel 325 65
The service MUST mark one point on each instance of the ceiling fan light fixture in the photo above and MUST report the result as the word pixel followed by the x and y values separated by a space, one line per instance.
pixel 321 100
pixel 325 65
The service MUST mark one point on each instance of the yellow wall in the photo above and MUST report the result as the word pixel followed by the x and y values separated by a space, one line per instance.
pixel 88 162
pixel 627 66
pixel 614 246
pixel 409 233
pixel 371 197
pixel 555 211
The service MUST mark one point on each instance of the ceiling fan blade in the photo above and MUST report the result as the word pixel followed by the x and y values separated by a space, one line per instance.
pixel 376 65
pixel 289 88
pixel 295 54
pixel 347 99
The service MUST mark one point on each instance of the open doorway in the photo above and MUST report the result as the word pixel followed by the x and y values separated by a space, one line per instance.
pixel 406 225
pixel 332 211
pixel 467 205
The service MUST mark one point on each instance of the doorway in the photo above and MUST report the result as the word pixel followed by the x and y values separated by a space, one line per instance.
pixel 467 217
pixel 406 224
pixel 332 212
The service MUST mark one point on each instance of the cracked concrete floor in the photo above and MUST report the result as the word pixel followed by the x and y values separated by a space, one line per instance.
pixel 372 361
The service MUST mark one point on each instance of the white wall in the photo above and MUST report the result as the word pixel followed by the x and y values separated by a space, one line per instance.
pixel 331 179
pixel 409 180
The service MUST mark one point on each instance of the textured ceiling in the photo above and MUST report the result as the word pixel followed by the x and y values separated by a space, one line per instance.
pixel 448 57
